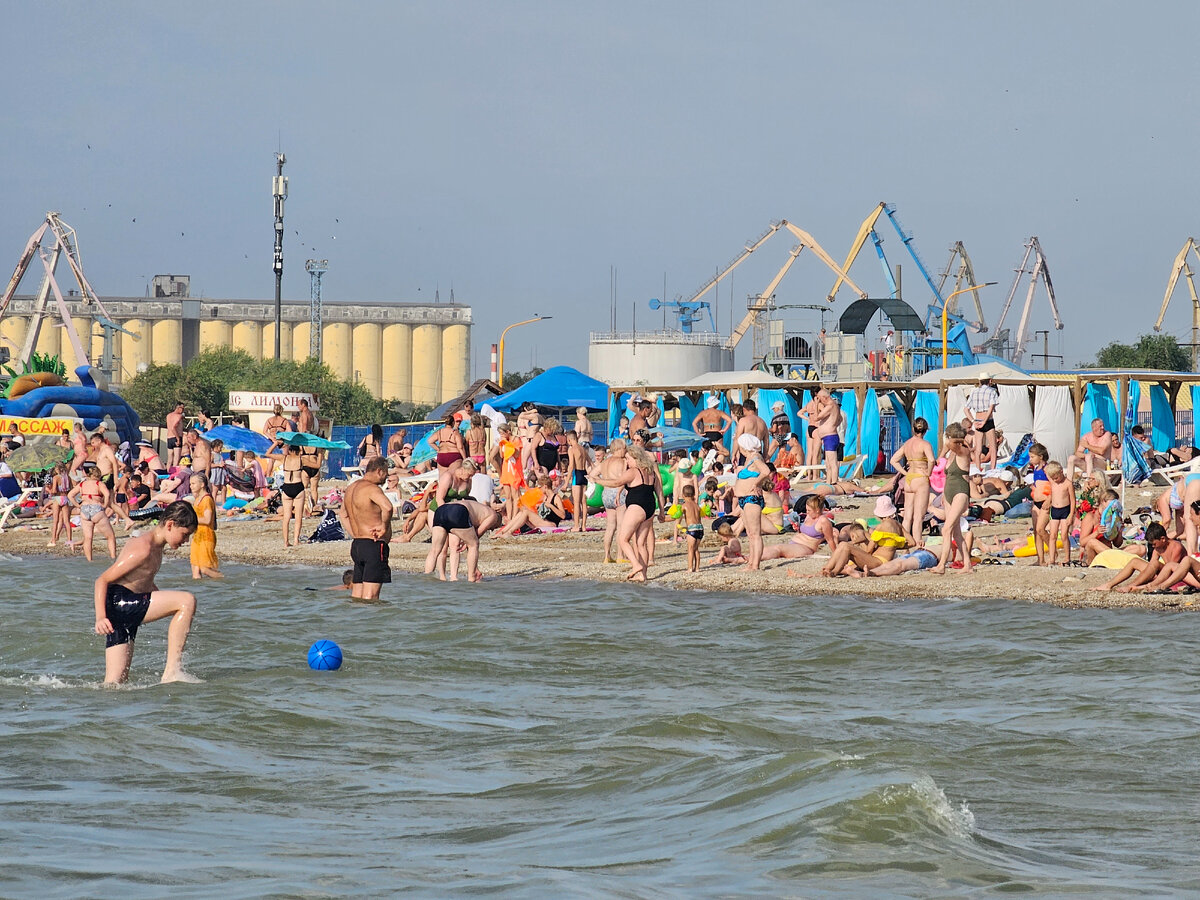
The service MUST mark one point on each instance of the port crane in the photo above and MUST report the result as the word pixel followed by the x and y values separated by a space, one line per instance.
pixel 965 276
pixel 762 302
pixel 1181 267
pixel 964 282
pixel 688 312
pixel 62 243
pixel 1040 271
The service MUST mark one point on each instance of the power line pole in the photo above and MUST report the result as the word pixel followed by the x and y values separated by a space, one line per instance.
pixel 279 190
pixel 1045 356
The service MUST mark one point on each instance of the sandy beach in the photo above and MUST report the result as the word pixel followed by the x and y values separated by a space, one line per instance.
pixel 565 555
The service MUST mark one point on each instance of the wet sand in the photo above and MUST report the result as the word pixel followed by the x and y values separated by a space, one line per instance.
pixel 565 555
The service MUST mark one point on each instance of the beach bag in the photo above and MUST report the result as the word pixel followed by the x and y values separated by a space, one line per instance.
pixel 937 478
pixel 328 529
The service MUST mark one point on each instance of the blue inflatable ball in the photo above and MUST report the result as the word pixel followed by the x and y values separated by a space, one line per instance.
pixel 324 655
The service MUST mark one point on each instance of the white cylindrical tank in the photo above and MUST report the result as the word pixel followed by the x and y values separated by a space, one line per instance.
pixel 248 336
pixel 135 354
pixel 427 365
pixel 456 361
pixel 215 333
pixel 168 342
pixel 656 359
pixel 397 363
pixel 336 351
pixel 367 344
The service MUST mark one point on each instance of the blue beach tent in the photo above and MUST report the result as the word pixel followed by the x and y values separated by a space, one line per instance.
pixel 560 388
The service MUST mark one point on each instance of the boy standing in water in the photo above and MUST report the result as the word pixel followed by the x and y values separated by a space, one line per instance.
pixel 126 597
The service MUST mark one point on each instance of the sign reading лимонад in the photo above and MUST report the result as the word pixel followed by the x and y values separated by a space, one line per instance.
pixel 266 401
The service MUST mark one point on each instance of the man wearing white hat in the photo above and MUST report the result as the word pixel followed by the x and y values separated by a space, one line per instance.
pixel 981 407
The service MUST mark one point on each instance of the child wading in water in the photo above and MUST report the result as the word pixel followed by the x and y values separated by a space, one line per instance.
pixel 693 524
pixel 126 597
pixel 204 541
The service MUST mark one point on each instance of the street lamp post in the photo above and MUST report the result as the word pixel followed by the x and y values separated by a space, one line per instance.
pixel 946 319
pixel 500 352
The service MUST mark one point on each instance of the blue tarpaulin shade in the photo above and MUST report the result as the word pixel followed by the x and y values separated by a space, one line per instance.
pixel 561 388
pixel 301 439
pixel 238 438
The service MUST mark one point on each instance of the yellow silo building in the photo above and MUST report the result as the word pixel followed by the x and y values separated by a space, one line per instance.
pixel 410 352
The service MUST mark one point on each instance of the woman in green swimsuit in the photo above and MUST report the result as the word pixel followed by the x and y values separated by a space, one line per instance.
pixel 955 497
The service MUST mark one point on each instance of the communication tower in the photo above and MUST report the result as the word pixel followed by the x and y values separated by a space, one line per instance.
pixel 315 268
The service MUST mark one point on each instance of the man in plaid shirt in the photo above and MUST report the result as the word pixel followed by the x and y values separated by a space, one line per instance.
pixel 981 407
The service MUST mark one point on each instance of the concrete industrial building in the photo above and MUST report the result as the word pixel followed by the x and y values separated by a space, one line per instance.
pixel 412 352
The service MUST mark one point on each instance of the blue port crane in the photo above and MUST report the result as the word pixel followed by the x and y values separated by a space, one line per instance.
pixel 687 311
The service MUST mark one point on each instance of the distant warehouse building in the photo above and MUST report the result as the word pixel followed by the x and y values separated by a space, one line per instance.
pixel 412 352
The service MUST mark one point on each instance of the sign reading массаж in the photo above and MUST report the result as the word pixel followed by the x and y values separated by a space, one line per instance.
pixel 29 426
pixel 260 401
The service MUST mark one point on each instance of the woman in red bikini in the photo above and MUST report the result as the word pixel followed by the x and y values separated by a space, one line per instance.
pixel 448 442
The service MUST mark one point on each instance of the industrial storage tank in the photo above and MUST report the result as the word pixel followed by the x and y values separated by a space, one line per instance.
pixel 398 340
pixel 397 362
pixel 247 336
pixel 12 330
pixel 456 361
pixel 367 342
pixel 658 357
pixel 335 349
pixel 48 339
pixel 426 365
pixel 301 340
pixel 136 355
pixel 168 342
pixel 83 328
pixel 215 333
pixel 285 340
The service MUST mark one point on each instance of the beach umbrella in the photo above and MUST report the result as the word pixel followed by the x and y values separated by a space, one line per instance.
pixel 303 439
pixel 237 438
pixel 37 457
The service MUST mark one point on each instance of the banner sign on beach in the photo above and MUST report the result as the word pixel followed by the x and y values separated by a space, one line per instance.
pixel 266 401
pixel 35 427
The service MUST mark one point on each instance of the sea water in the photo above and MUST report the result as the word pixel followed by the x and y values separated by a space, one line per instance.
pixel 565 739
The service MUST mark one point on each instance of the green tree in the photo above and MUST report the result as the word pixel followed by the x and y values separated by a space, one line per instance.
pixel 513 380
pixel 211 375
pixel 1152 351
pixel 208 378
pixel 153 393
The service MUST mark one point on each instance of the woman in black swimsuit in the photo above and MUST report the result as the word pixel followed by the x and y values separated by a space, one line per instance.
pixel 292 492
pixel 310 465
pixel 643 491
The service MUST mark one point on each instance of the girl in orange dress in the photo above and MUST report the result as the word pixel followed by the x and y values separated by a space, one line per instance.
pixel 506 456
pixel 204 541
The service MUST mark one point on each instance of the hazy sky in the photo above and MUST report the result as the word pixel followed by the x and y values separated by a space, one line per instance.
pixel 517 151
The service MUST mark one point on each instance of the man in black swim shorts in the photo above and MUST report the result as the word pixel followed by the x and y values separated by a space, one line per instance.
pixel 369 514
pixel 370 558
